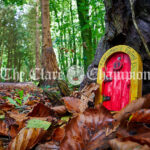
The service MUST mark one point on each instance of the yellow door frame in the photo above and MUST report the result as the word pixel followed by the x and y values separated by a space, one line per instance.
pixel 136 69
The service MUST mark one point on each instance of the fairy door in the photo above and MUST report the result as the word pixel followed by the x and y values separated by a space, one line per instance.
pixel 116 84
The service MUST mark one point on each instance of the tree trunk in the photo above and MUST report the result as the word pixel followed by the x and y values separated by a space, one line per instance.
pixel 83 11
pixel 37 52
pixel 49 62
pixel 120 29
pixel 73 34
pixel 1 57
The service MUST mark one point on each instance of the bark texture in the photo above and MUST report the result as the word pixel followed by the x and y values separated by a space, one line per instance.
pixel 49 62
pixel 86 33
pixel 38 64
pixel 120 29
pixel 37 51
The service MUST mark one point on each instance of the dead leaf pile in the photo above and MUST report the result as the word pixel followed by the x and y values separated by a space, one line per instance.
pixel 73 123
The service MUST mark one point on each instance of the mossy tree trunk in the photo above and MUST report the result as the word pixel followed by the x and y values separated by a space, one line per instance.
pixel 86 33
pixel 121 30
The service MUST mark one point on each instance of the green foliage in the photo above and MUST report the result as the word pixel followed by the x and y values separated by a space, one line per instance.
pixel 17 2
pixel 16 42
pixel 18 33
pixel 2 117
pixel 35 123
pixel 12 101
pixel 21 98
pixel 66 118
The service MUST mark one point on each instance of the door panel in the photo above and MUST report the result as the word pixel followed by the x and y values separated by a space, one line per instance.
pixel 116 86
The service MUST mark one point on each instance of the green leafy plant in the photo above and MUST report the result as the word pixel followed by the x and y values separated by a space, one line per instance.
pixel 20 100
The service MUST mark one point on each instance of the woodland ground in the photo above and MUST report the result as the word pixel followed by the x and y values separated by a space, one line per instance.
pixel 29 119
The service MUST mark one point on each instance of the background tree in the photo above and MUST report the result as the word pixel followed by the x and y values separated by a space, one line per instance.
pixel 38 41
pixel 65 33
pixel 86 32
pixel 49 62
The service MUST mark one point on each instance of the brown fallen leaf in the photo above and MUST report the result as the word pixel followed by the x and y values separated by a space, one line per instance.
pixel 18 116
pixel 5 125
pixel 87 131
pixel 26 139
pixel 1 145
pixel 59 110
pixel 74 105
pixel 58 134
pixel 117 144
pixel 6 107
pixel 78 102
pixel 48 146
pixel 142 115
pixel 40 110
pixel 134 131
pixel 33 102
pixel 141 103
pixel 88 92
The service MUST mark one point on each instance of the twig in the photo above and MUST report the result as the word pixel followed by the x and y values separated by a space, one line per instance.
pixel 137 28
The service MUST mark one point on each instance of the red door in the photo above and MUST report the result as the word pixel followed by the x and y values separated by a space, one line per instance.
pixel 116 85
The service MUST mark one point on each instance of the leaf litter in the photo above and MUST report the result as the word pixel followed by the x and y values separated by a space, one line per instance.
pixel 29 119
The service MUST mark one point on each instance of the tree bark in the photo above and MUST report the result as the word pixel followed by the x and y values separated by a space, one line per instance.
pixel 86 33
pixel 38 59
pixel 120 30
pixel 73 34
pixel 49 62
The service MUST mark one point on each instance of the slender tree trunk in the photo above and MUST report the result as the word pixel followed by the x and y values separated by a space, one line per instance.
pixel 37 50
pixel 38 60
pixel 1 58
pixel 83 11
pixel 73 34
pixel 49 62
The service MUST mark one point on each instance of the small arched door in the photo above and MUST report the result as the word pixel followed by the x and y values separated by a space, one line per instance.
pixel 116 84
pixel 117 88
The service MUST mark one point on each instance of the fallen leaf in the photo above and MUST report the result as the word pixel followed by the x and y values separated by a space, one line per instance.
pixel 142 115
pixel 26 139
pixel 117 144
pixel 1 145
pixel 78 102
pixel 48 146
pixel 87 131
pixel 18 116
pixel 134 131
pixel 40 110
pixel 59 110
pixel 5 125
pixel 74 105
pixel 35 123
pixel 58 134
pixel 141 103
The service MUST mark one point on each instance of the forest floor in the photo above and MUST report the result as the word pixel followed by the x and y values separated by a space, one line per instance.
pixel 31 118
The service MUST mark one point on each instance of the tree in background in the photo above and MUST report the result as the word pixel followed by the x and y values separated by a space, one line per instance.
pixel 16 50
pixel 83 11
pixel 38 41
pixel 66 35
pixel 49 62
